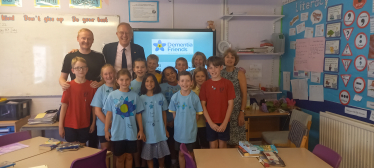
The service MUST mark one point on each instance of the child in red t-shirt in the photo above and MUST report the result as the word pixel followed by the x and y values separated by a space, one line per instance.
pixel 217 99
pixel 76 111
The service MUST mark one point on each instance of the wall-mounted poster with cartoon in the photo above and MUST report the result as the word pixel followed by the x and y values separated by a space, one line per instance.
pixel 334 12
pixel 332 47
pixel 370 88
pixel 331 64
pixel 316 16
pixel 330 81
pixel 333 29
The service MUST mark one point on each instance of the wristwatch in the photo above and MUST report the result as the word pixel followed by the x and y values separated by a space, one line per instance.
pixel 242 111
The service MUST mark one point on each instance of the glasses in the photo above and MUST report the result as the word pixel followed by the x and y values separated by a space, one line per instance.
pixel 80 68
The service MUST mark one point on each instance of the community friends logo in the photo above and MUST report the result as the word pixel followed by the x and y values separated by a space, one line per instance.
pixel 172 46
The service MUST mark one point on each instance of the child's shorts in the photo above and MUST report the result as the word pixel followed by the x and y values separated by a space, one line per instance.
pixel 77 135
pixel 156 150
pixel 201 141
pixel 102 139
pixel 190 146
pixel 212 135
pixel 121 147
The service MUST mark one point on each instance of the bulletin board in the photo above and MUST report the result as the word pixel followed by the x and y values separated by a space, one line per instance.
pixel 347 29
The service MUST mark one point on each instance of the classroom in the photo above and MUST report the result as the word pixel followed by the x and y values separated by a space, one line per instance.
pixel 186 83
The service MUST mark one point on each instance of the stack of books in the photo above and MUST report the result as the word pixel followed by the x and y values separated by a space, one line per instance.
pixel 44 118
pixel 248 150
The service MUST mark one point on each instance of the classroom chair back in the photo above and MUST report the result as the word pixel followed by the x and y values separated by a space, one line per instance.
pixel 96 160
pixel 14 137
pixel 190 163
pixel 297 138
pixel 327 155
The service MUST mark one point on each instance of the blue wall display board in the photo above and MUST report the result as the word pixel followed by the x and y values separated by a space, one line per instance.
pixel 346 28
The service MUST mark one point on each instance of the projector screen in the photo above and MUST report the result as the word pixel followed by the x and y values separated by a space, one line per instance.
pixel 170 44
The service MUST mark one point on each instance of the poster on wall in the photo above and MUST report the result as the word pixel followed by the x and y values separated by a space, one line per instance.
pixel 333 29
pixel 344 97
pixel 300 27
pixel 330 81
pixel 361 40
pixel 347 51
pixel 16 3
pixel 358 4
pixel 320 29
pixel 348 32
pixel 334 12
pixel 304 16
pixel 370 88
pixel 309 54
pixel 332 47
pixel 292 32
pixel 371 47
pixel 349 18
pixel 360 63
pixel 316 16
pixel 85 4
pixel 315 77
pixel 296 18
pixel 363 19
pixel 371 68
pixel 143 11
pixel 345 78
pixel 46 4
pixel 359 85
pixel 331 64
pixel 346 63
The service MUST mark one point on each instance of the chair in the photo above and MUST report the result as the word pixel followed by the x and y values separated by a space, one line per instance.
pixel 327 155
pixel 14 137
pixel 297 137
pixel 190 163
pixel 281 137
pixel 96 160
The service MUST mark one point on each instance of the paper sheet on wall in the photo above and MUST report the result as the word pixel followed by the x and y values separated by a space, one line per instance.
pixel 300 27
pixel 357 98
pixel 320 30
pixel 303 88
pixel 309 32
pixel 310 54
pixel 315 77
pixel 292 45
pixel 316 93
pixel 356 112
pixel 295 88
pixel 286 80
pixel 292 32
pixel 372 115
pixel 255 71
pixel 304 16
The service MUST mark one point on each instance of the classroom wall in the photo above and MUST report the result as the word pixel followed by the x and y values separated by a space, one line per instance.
pixel 181 14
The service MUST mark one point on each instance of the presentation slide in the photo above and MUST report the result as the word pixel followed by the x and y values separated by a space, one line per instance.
pixel 170 45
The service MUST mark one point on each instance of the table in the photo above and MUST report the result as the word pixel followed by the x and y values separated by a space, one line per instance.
pixel 17 124
pixel 24 153
pixel 258 122
pixel 292 157
pixel 40 127
pixel 223 158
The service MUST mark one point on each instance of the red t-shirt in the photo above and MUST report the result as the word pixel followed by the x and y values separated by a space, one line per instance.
pixel 217 94
pixel 78 97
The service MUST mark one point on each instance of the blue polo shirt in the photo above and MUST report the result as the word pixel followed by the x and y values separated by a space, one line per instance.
pixel 153 123
pixel 124 106
pixel 98 101
pixel 168 91
pixel 185 109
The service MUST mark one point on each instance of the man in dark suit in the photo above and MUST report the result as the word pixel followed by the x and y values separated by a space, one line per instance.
pixel 123 53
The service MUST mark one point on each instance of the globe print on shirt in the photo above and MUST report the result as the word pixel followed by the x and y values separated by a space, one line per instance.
pixel 124 107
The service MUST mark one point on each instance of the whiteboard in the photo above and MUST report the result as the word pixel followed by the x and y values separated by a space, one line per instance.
pixel 33 47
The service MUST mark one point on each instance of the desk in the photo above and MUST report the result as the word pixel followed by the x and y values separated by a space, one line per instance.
pixel 17 124
pixel 24 153
pixel 292 157
pixel 223 158
pixel 40 127
pixel 258 122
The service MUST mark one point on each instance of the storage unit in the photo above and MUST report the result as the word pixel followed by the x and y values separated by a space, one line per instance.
pixel 13 125
pixel 14 109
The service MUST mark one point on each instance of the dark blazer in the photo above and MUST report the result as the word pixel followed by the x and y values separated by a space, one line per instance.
pixel 110 52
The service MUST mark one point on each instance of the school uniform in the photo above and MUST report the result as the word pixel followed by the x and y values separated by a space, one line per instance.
pixel 135 86
pixel 98 101
pixel 185 126
pixel 124 106
pixel 168 91
pixel 154 127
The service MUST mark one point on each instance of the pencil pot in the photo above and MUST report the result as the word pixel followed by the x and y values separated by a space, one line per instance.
pixel 14 109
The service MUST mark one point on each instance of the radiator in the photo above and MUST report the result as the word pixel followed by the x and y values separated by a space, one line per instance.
pixel 352 139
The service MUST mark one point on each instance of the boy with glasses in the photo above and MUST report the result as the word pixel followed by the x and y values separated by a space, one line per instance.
pixel 75 114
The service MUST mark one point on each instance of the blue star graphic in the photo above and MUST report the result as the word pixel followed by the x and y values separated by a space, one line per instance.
pixel 125 108
pixel 151 105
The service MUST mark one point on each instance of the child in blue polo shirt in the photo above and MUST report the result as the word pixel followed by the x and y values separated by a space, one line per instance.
pixel 186 108
pixel 108 75
pixel 122 108
pixel 154 121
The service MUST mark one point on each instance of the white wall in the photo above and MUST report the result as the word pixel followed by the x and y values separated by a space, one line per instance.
pixel 186 14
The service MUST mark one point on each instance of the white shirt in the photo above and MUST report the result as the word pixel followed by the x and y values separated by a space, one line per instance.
pixel 118 61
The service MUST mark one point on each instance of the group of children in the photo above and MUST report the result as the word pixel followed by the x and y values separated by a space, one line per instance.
pixel 185 108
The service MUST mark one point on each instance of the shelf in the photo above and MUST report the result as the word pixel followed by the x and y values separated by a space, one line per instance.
pixel 274 18
pixel 264 54
pixel 272 92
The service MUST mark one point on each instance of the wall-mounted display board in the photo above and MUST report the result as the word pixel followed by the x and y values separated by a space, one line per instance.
pixel 348 70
